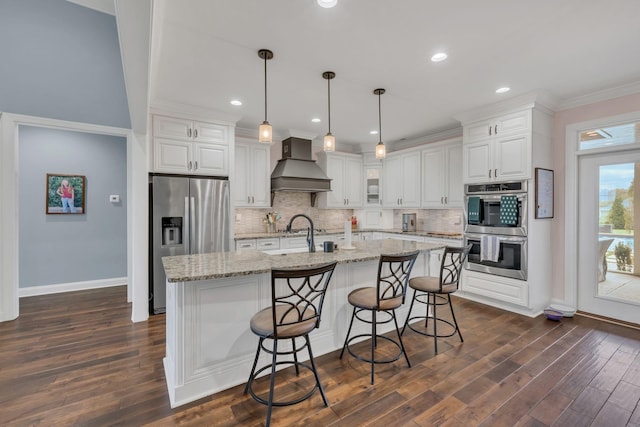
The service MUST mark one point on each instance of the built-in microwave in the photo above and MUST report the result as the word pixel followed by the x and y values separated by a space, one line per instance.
pixel 511 260
pixel 484 210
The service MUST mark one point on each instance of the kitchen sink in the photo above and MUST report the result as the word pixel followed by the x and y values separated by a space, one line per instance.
pixel 290 251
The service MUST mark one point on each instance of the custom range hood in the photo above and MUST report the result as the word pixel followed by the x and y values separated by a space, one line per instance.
pixel 297 172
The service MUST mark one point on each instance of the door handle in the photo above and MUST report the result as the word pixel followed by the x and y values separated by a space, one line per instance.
pixel 495 130
pixel 495 173
pixel 193 221
pixel 187 226
pixel 189 132
pixel 195 165
pixel 446 200
pixel 190 165
pixel 489 173
pixel 489 130
pixel 195 133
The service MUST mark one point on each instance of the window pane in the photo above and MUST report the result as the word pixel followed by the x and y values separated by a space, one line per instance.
pixel 614 135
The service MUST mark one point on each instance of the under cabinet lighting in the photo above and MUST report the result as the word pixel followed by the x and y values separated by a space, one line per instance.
pixel 503 89
pixel 438 57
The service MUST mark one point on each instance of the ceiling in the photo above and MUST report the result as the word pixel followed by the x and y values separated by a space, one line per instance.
pixel 204 54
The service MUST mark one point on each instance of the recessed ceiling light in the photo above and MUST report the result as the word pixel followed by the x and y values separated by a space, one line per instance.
pixel 316 120
pixel 503 89
pixel 440 56
pixel 373 132
pixel 236 102
pixel 327 3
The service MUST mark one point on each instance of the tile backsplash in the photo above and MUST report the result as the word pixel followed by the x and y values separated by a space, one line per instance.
pixel 437 220
pixel 287 205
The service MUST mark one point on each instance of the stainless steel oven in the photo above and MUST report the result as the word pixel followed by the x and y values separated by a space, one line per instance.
pixel 511 260
pixel 485 206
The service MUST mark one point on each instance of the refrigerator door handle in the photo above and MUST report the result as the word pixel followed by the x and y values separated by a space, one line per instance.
pixel 192 219
pixel 187 226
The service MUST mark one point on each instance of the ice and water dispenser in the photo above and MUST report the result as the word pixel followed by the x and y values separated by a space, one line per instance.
pixel 171 230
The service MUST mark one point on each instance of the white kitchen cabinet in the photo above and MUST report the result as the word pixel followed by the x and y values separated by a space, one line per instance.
pixel 401 180
pixel 246 244
pixel 251 181
pixel 268 244
pixel 498 149
pixel 190 147
pixel 435 257
pixel 345 171
pixel 442 177
pixel 372 186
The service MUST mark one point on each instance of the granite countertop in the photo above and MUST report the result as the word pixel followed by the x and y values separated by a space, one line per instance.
pixel 214 265
pixel 434 234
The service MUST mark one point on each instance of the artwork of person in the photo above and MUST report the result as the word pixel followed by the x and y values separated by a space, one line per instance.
pixel 66 193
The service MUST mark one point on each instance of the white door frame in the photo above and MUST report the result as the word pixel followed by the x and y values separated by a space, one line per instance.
pixel 571 195
pixel 137 210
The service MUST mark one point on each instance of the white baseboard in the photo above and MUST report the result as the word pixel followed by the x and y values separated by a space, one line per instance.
pixel 70 287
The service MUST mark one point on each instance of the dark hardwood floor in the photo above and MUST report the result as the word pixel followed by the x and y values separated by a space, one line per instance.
pixel 76 359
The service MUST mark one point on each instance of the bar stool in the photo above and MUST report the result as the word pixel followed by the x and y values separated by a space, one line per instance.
pixel 386 296
pixel 441 288
pixel 297 297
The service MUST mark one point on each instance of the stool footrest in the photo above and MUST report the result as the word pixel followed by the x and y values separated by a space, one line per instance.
pixel 368 360
pixel 280 403
pixel 410 326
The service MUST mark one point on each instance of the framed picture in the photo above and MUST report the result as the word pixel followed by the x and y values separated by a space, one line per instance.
pixel 65 194
pixel 544 193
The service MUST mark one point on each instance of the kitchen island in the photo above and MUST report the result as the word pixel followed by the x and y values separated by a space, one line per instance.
pixel 212 297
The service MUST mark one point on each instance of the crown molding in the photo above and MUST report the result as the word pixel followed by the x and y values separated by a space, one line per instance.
pixel 192 112
pixel 538 98
pixel 428 139
pixel 601 95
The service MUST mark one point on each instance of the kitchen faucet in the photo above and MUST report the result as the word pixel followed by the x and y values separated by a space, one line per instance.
pixel 312 245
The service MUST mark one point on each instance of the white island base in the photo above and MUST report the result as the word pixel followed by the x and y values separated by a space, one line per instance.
pixel 210 347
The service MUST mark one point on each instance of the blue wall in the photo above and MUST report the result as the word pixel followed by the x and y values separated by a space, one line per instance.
pixel 70 248
pixel 61 61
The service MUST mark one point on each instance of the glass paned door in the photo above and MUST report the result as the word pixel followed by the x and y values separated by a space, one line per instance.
pixel 608 282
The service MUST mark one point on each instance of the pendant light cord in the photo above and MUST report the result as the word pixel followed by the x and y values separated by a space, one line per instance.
pixel 329 103
pixel 379 118
pixel 265 87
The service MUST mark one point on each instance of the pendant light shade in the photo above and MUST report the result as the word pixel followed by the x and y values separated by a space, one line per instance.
pixel 381 151
pixel 329 139
pixel 265 133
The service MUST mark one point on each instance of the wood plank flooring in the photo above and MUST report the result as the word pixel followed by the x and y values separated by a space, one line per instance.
pixel 76 359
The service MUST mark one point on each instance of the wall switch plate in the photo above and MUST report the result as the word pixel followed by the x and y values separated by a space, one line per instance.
pixel 238 217
pixel 114 198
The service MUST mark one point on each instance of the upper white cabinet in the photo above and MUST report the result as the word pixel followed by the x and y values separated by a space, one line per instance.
pixel 345 171
pixel 442 176
pixel 251 179
pixel 401 180
pixel 498 149
pixel 190 147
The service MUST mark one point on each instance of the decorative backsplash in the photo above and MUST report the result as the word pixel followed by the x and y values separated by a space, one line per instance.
pixel 287 205
pixel 437 220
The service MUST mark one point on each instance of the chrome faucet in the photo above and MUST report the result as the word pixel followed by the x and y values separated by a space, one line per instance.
pixel 312 245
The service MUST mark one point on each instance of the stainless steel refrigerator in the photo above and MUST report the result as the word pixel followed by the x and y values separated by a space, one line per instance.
pixel 189 215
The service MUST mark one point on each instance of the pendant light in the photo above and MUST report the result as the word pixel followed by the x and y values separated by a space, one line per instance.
pixel 329 139
pixel 265 131
pixel 381 152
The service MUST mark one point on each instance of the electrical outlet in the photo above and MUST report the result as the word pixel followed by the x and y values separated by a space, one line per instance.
pixel 114 198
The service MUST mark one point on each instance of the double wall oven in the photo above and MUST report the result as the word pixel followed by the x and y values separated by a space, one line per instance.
pixel 496 226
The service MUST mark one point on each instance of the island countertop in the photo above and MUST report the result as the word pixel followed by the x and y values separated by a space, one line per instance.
pixel 186 268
